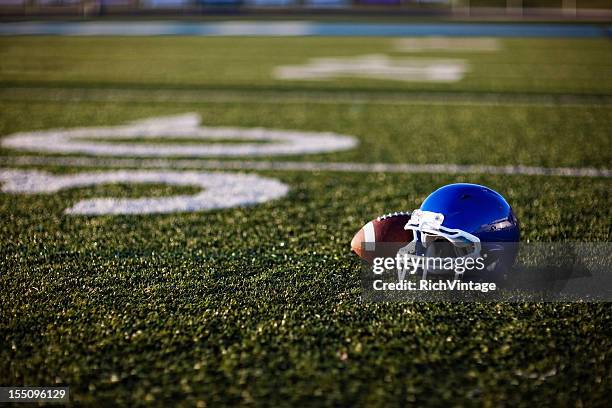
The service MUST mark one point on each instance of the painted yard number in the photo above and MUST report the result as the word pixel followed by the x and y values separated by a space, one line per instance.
pixel 219 190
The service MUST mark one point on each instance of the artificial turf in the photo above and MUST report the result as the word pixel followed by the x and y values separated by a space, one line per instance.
pixel 512 134
pixel 553 65
pixel 261 305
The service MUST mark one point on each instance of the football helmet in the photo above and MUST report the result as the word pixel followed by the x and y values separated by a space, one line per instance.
pixel 465 221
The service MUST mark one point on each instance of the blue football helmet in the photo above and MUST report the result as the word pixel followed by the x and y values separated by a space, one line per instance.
pixel 469 221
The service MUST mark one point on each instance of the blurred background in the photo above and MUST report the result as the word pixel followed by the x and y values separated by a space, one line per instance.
pixel 566 9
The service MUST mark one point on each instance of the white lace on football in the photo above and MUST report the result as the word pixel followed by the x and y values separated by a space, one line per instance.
pixel 393 214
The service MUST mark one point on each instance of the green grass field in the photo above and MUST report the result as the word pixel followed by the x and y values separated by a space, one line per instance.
pixel 526 66
pixel 261 305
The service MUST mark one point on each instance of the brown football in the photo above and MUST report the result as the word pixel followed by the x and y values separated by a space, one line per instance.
pixel 389 229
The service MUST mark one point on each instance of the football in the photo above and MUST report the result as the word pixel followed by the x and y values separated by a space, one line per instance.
pixel 388 229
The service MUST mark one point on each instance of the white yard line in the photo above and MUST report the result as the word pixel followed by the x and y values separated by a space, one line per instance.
pixel 301 166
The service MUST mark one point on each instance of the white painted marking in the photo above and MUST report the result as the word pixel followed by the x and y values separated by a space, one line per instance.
pixel 447 44
pixel 281 142
pixel 305 166
pixel 375 67
pixel 220 190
